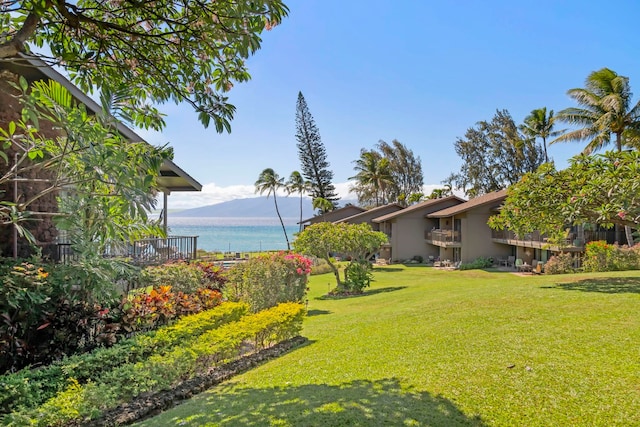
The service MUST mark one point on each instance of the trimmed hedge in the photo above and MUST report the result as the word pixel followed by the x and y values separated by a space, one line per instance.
pixel 29 388
pixel 163 371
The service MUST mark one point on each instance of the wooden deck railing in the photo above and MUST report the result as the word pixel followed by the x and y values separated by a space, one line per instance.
pixel 443 236
pixel 536 238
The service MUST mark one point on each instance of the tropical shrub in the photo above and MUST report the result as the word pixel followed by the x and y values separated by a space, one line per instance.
pixel 214 277
pixel 180 275
pixel 358 276
pixel 29 388
pixel 184 276
pixel 48 311
pixel 561 263
pixel 599 256
pixel 627 258
pixel 159 306
pixel 267 280
pixel 478 263
pixel 163 371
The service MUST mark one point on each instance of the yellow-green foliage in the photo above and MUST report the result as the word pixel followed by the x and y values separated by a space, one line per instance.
pixel 162 371
pixel 28 388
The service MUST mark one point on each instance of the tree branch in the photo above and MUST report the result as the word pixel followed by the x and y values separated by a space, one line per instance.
pixel 16 44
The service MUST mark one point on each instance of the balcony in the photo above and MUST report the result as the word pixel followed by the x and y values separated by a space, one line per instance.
pixel 155 250
pixel 540 241
pixel 443 238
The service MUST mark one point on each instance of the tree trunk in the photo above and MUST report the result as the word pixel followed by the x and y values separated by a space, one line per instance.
pixel 336 272
pixel 629 234
pixel 281 222
pixel 300 224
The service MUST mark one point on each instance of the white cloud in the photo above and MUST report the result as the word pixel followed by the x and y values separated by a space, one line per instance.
pixel 212 194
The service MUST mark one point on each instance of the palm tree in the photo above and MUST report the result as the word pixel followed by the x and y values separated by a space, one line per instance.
pixel 323 205
pixel 270 182
pixel 607 110
pixel 373 175
pixel 297 184
pixel 540 124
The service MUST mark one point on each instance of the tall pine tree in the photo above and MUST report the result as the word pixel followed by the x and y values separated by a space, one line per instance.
pixel 313 155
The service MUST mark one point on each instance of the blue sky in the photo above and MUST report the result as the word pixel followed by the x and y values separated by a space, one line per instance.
pixel 420 72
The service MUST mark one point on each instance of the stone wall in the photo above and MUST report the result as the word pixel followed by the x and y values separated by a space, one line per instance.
pixel 41 227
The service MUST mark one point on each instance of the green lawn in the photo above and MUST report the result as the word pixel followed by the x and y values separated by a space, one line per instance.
pixel 427 347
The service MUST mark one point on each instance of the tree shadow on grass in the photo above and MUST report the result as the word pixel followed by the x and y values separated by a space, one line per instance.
pixel 606 285
pixel 316 312
pixel 378 269
pixel 358 403
pixel 362 294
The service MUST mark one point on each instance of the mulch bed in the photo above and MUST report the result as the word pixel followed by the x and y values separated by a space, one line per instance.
pixel 150 404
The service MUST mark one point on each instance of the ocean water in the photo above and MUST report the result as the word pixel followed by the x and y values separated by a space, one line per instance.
pixel 235 234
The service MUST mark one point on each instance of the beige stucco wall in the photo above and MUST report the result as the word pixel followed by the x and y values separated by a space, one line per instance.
pixel 408 233
pixel 476 236
pixel 408 239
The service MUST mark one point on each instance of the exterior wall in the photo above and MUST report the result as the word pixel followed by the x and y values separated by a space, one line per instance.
pixel 42 228
pixel 408 237
pixel 408 232
pixel 476 236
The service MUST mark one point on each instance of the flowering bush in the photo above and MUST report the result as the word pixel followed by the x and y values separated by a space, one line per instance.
pixel 265 281
pixel 559 264
pixel 599 256
pixel 627 258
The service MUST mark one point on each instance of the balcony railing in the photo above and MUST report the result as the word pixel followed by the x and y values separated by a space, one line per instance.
pixel 155 250
pixel 443 237
pixel 538 240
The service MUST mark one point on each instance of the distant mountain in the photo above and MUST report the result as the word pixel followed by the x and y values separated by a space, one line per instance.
pixel 254 207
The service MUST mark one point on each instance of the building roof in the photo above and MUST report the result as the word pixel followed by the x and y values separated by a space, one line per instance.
pixel 430 203
pixel 171 178
pixel 336 212
pixel 372 211
pixel 496 198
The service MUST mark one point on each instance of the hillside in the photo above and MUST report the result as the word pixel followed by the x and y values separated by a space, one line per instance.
pixel 254 207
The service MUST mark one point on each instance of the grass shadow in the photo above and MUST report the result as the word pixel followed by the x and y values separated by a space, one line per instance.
pixel 316 312
pixel 357 403
pixel 362 294
pixel 379 269
pixel 606 285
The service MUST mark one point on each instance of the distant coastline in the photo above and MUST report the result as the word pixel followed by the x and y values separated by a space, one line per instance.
pixel 230 221
pixel 226 234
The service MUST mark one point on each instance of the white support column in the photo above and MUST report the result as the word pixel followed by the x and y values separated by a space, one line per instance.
pixel 165 209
